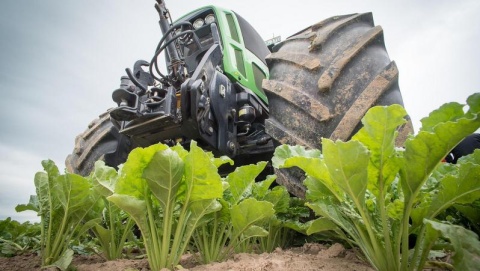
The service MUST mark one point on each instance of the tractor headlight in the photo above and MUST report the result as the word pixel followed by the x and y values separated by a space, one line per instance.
pixel 209 19
pixel 198 23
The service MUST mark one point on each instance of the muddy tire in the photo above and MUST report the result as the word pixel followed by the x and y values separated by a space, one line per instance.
pixel 101 141
pixel 322 82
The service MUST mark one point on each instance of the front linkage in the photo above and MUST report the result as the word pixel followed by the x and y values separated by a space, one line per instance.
pixel 195 100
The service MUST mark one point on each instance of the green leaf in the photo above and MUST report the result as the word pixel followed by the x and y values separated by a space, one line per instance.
pixel 470 212
pixel 224 213
pixel 131 181
pixel 284 152
pixel 334 213
pixel 182 153
pixel 9 248
pixel 201 208
pixel 462 188
pixel 219 161
pixel 316 189
pixel 33 205
pixel 103 236
pixel 457 187
pixel 473 158
pixel 378 134
pixel 320 225
pixel 42 186
pixel 104 179
pixel 447 112
pixel 473 102
pixel 424 151
pixel 88 225
pixel 347 164
pixel 201 175
pixel 64 261
pixel 395 209
pixel 163 174
pixel 280 198
pixel 136 208
pixel 254 231
pixel 250 212
pixel 260 189
pixel 241 181
pixel 313 164
pixel 298 226
pixel 51 169
pixel 379 130
pixel 222 160
pixel 73 192
pixel 424 245
pixel 464 242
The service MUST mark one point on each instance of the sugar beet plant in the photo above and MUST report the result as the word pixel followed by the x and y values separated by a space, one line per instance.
pixel 62 202
pixel 289 211
pixel 70 206
pixel 240 219
pixel 253 217
pixel 380 195
pixel 17 238
pixel 168 192
pixel 110 225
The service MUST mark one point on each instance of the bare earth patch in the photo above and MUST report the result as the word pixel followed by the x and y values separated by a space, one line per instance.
pixel 309 257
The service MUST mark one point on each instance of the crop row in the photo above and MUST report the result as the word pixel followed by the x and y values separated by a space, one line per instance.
pixel 395 204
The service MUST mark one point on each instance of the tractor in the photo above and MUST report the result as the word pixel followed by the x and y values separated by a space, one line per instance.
pixel 226 89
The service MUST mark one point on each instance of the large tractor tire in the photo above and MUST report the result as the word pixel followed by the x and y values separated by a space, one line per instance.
pixel 101 141
pixel 322 82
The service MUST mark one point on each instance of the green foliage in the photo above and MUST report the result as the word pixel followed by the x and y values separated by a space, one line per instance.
pixel 253 217
pixel 464 214
pixel 289 211
pixel 62 202
pixel 468 215
pixel 465 243
pixel 111 226
pixel 240 219
pixel 32 205
pixel 17 238
pixel 168 192
pixel 370 190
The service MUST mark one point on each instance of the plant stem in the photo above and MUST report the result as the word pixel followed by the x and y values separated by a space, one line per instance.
pixel 221 241
pixel 364 244
pixel 154 255
pixel 112 246
pixel 180 230
pixel 126 231
pixel 213 252
pixel 394 262
pixel 205 242
pixel 226 249
pixel 167 232
pixel 181 239
pixel 48 247
pixel 59 237
pixel 369 227
pixel 404 231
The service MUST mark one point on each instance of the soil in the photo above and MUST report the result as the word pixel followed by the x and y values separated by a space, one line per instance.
pixel 309 257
